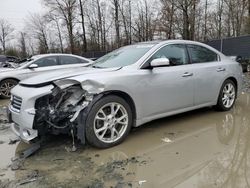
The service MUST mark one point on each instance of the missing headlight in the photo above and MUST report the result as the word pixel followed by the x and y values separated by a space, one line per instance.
pixel 55 110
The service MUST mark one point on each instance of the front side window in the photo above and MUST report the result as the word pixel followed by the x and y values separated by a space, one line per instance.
pixel 176 53
pixel 47 61
pixel 200 54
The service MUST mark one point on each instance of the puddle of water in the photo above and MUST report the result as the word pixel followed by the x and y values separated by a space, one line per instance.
pixel 4 102
pixel 203 148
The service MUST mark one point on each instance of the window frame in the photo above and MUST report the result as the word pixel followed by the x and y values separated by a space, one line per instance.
pixel 57 61
pixel 190 54
pixel 146 63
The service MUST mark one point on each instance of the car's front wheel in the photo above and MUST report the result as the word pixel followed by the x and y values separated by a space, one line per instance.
pixel 6 86
pixel 227 96
pixel 109 122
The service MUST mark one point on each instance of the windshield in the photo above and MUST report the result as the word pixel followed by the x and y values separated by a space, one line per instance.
pixel 123 56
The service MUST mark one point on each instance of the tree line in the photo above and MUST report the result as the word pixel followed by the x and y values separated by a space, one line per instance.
pixel 78 26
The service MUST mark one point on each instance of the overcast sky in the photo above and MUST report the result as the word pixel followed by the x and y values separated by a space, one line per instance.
pixel 16 11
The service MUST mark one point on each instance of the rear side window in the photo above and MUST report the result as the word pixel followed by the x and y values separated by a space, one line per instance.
pixel 200 54
pixel 176 53
pixel 67 60
pixel 47 61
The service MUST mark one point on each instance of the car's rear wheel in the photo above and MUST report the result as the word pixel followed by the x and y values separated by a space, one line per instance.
pixel 6 86
pixel 108 122
pixel 227 96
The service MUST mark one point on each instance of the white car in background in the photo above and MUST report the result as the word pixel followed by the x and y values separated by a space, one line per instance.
pixel 10 77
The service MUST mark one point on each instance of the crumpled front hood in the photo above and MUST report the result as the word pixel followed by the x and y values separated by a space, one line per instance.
pixel 48 77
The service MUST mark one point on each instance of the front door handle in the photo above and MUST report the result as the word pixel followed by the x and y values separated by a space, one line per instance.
pixel 187 74
pixel 220 69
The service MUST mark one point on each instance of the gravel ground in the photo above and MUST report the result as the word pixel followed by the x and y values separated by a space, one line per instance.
pixel 246 85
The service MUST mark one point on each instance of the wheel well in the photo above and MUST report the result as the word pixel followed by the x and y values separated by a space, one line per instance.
pixel 126 97
pixel 10 79
pixel 234 81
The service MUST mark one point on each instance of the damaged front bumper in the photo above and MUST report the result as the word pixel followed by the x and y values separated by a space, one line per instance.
pixel 54 108
pixel 22 110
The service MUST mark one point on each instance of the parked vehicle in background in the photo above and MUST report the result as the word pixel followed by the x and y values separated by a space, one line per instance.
pixel 244 63
pixel 9 77
pixel 127 87
pixel 8 61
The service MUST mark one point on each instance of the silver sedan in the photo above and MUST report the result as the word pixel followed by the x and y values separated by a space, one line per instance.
pixel 9 77
pixel 125 88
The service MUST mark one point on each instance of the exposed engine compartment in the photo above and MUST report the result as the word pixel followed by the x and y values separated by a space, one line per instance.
pixel 55 111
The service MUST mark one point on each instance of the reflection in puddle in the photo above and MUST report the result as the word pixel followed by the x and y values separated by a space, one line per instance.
pixel 202 148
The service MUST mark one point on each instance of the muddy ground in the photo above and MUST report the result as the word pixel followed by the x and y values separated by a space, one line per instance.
pixel 202 149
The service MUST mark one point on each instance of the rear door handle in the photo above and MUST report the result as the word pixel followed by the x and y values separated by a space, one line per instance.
pixel 220 69
pixel 187 74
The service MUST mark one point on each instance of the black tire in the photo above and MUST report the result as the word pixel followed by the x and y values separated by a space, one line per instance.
pixel 10 83
pixel 220 106
pixel 91 137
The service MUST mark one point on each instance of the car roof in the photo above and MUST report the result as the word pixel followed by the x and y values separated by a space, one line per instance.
pixel 55 54
pixel 34 57
pixel 155 42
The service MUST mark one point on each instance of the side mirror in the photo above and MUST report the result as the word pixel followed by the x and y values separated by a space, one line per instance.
pixel 33 66
pixel 160 62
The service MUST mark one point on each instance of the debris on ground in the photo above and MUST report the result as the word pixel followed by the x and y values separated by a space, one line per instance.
pixel 17 164
pixel 14 141
pixel 141 182
pixel 33 176
pixel 70 149
pixel 96 183
pixel 112 171
pixel 4 126
pixel 166 140
pixel 171 133
pixel 2 142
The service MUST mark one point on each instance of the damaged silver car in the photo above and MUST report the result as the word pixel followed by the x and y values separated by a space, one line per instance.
pixel 125 88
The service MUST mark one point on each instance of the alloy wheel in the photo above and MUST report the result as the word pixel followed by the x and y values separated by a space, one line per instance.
pixel 228 95
pixel 111 122
pixel 5 89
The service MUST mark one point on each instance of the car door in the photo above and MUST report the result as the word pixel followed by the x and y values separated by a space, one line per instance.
pixel 170 88
pixel 208 73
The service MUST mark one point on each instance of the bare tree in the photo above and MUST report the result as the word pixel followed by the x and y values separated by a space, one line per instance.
pixel 84 38
pixel 205 20
pixel 236 10
pixel 38 26
pixel 98 25
pixel 53 18
pixel 167 18
pixel 22 44
pixel 65 9
pixel 188 10
pixel 5 33
pixel 144 27
pixel 116 4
